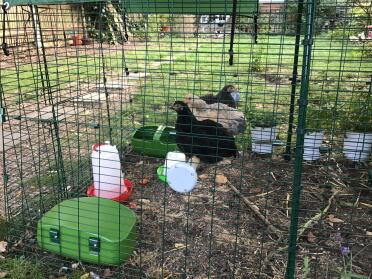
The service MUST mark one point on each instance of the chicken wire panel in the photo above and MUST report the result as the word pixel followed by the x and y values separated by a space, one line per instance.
pixel 334 208
pixel 78 75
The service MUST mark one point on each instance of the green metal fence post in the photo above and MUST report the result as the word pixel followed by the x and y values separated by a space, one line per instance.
pixel 300 8
pixel 296 187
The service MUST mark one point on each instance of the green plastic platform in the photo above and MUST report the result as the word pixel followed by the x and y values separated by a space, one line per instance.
pixel 92 229
pixel 154 141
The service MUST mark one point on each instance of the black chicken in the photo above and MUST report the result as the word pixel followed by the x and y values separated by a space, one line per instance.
pixel 204 139
pixel 228 95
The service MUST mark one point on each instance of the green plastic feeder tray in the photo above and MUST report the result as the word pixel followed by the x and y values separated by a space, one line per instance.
pixel 154 141
pixel 160 173
pixel 94 230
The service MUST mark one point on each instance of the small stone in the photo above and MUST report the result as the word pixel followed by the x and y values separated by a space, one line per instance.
pixel 94 276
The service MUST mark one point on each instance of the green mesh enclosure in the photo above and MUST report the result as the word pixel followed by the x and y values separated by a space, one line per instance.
pixel 164 6
pixel 94 96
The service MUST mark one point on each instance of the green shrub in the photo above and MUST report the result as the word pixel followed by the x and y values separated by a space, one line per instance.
pixel 357 116
pixel 320 115
pixel 137 27
pixel 367 50
pixel 257 65
pixel 264 119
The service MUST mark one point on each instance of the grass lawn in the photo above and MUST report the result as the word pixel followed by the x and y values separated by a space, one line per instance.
pixel 178 66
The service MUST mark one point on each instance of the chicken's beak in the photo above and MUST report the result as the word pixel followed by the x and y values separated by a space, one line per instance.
pixel 174 107
pixel 236 96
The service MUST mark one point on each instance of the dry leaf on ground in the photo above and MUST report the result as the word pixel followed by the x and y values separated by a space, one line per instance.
pixel 143 182
pixel 203 176
pixel 3 245
pixel 221 179
pixel 331 218
pixel 132 205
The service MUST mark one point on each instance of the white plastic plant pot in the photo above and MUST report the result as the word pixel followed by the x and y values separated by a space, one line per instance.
pixel 262 139
pixel 312 144
pixel 357 146
pixel 107 175
pixel 172 159
pixel 182 178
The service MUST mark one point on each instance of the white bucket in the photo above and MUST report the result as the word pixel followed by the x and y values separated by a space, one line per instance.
pixel 312 143
pixel 357 146
pixel 107 174
pixel 172 159
pixel 262 139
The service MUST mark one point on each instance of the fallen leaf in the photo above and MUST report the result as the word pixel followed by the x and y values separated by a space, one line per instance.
pixel 139 163
pixel 107 273
pixel 221 179
pixel 3 245
pixel 75 265
pixel 369 233
pixel 132 205
pixel 3 274
pixel 311 237
pixel 143 182
pixel 85 276
pixel 331 218
pixel 203 176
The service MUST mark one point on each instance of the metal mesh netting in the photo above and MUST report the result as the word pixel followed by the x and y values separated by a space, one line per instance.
pixel 285 194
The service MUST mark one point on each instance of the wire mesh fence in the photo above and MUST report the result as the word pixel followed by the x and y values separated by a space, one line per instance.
pixel 187 139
